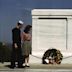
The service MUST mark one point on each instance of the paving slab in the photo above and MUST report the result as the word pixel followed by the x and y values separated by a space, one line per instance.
pixel 34 67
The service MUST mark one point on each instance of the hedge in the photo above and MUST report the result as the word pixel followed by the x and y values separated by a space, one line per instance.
pixel 5 53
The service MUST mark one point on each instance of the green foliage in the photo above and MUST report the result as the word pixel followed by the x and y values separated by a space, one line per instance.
pixel 5 53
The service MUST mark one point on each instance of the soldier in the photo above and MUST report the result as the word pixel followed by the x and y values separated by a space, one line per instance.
pixel 16 46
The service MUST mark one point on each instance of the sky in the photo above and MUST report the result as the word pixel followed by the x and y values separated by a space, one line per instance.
pixel 13 10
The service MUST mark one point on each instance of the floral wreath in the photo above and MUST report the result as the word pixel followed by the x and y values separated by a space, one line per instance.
pixel 52 56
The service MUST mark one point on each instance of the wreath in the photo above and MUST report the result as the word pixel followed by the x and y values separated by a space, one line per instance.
pixel 52 56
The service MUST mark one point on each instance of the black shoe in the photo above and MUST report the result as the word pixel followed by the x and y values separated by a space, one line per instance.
pixel 27 66
pixel 21 67
pixel 12 67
